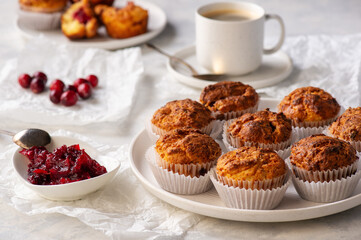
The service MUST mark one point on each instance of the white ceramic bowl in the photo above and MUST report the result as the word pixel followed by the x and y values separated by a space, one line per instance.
pixel 68 191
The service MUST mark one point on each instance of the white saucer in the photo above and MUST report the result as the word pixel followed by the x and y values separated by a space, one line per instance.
pixel 156 24
pixel 275 68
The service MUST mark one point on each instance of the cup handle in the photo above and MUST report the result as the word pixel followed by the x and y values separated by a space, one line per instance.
pixel 282 37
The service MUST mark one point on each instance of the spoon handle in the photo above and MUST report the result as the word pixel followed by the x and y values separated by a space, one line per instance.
pixel 7 132
pixel 194 72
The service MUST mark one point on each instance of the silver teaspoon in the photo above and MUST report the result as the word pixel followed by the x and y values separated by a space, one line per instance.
pixel 29 137
pixel 195 74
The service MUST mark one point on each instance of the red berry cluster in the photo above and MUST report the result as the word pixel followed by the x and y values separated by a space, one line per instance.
pixel 36 82
pixel 59 93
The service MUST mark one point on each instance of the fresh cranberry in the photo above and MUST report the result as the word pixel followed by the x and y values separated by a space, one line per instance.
pixel 55 95
pixel 85 90
pixel 41 75
pixel 57 84
pixel 93 80
pixel 68 98
pixel 71 88
pixel 79 81
pixel 81 16
pixel 37 85
pixel 24 80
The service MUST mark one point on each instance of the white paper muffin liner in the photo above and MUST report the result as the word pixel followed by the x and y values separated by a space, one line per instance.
pixel 154 132
pixel 324 176
pixel 236 142
pixel 303 132
pixel 177 182
pixel 242 198
pixel 39 21
pixel 326 186
pixel 355 144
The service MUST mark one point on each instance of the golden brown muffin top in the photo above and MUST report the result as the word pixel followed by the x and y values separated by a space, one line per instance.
pixel 322 153
pixel 187 146
pixel 309 104
pixel 182 113
pixel 347 126
pixel 46 6
pixel 261 127
pixel 228 96
pixel 251 164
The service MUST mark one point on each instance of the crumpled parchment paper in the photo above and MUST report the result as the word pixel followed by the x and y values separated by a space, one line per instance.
pixel 118 73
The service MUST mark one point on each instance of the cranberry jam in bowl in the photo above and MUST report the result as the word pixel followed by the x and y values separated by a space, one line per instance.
pixel 67 169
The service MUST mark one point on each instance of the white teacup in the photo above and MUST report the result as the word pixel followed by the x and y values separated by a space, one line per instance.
pixel 229 37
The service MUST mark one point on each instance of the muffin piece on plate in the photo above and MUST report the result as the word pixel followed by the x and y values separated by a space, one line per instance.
pixel 79 21
pixel 265 128
pixel 181 160
pixel 130 21
pixel 309 107
pixel 229 99
pixel 324 168
pixel 251 178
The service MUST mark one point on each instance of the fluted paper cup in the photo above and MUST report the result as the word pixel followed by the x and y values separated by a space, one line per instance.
pixel 326 186
pixel 179 178
pixel 242 198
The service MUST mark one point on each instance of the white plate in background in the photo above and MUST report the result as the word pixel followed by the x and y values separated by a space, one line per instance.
pixel 274 69
pixel 156 23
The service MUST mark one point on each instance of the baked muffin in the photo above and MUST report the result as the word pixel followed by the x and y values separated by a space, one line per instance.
pixel 265 128
pixel 251 164
pixel 79 21
pixel 187 146
pixel 322 153
pixel 229 100
pixel 43 6
pixel 347 126
pixel 324 168
pixel 182 113
pixel 181 160
pixel 309 107
pixel 130 21
pixel 251 178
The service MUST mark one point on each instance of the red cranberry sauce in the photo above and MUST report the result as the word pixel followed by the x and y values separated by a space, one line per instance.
pixel 81 16
pixel 63 165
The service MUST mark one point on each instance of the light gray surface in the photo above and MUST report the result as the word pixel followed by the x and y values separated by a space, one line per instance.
pixel 301 17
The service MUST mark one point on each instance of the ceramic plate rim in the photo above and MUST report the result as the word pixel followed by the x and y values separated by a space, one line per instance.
pixel 276 215
pixel 198 83
pixel 109 44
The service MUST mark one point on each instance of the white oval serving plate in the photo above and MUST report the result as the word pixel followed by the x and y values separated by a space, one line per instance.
pixel 292 207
